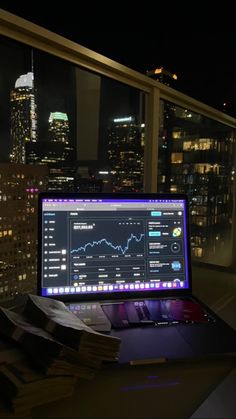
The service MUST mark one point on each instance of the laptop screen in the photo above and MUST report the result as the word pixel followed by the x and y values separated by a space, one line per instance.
pixel 98 246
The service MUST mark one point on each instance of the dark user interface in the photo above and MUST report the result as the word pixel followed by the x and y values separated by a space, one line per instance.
pixel 112 247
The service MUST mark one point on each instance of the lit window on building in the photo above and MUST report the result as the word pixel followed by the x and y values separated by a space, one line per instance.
pixel 197 251
pixel 202 168
pixel 176 158
pixel 200 221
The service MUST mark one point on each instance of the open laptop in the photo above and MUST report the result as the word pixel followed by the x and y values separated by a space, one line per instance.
pixel 122 262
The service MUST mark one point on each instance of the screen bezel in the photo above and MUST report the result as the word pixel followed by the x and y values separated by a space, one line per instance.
pixel 121 294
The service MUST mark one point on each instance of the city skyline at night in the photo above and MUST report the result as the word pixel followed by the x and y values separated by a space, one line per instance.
pixel 56 92
pixel 48 97
pixel 45 123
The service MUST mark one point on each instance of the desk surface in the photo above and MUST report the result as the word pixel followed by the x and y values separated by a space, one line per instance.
pixel 222 402
pixel 173 390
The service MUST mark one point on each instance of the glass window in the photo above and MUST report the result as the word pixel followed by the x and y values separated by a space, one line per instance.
pixel 62 128
pixel 196 157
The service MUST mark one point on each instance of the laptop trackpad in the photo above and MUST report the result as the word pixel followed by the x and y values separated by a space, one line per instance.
pixel 152 343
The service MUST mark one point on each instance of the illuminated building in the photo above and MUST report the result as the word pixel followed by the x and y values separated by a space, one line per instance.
pixel 57 154
pixel 58 127
pixel 61 178
pixel 162 75
pixel 23 117
pixel 125 154
pixel 57 149
pixel 19 188
pixel 49 153
pixel 195 157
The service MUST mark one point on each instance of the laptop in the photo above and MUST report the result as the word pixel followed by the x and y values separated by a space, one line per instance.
pixel 121 262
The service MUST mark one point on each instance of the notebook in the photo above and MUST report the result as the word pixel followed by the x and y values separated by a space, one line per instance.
pixel 121 262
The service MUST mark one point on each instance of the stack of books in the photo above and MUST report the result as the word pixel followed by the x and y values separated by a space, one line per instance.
pixel 44 350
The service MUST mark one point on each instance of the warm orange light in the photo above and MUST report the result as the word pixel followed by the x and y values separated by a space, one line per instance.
pixel 161 70
pixel 158 70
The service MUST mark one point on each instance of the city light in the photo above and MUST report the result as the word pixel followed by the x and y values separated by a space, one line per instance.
pixel 58 115
pixel 125 119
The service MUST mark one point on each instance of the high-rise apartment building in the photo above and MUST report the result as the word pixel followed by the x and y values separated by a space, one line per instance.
pixel 19 188
pixel 23 117
pixel 125 154
pixel 196 157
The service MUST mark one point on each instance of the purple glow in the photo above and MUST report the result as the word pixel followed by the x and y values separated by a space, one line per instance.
pixel 168 383
pixel 32 190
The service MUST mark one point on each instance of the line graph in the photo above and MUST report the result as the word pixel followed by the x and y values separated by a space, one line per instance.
pixel 116 247
pixel 111 238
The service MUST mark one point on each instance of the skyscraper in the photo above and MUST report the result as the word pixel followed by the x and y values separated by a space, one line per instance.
pixel 23 116
pixel 59 127
pixel 58 148
pixel 125 154
pixel 57 153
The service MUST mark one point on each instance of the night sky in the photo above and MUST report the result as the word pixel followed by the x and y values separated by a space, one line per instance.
pixel 195 40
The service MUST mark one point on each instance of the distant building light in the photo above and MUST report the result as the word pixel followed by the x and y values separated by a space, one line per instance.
pixel 58 116
pixel 125 119
pixel 103 172
pixel 158 70
pixel 142 125
pixel 25 80
pixel 162 71
pixel 32 190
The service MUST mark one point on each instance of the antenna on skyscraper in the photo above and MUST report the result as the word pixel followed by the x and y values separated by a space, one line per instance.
pixel 32 66
pixel 32 60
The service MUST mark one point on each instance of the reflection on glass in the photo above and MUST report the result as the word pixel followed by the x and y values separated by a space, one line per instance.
pixel 196 158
